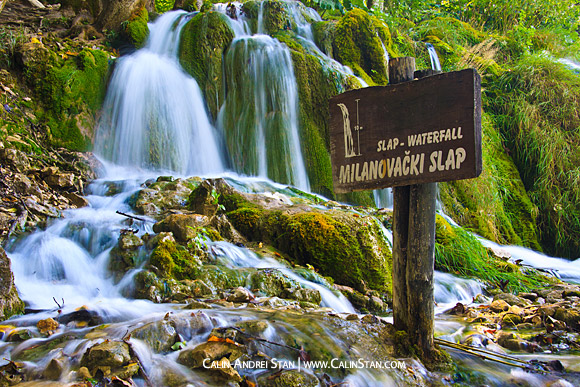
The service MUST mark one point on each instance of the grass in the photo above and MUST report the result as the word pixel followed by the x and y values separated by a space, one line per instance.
pixel 460 252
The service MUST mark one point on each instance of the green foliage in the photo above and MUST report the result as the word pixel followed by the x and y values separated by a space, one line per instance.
pixel 537 107
pixel 459 252
pixel 495 205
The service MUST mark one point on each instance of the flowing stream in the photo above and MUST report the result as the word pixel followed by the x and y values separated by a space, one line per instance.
pixel 155 121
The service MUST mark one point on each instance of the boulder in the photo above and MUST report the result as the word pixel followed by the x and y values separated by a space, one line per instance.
pixel 10 303
pixel 159 335
pixel 183 226
pixel 208 352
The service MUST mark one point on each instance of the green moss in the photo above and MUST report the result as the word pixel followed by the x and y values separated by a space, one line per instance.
pixel 350 249
pixel 358 45
pixel 136 28
pixel 203 41
pixel 174 261
pixel 460 252
pixel 71 88
pixel 536 106
pixel 495 205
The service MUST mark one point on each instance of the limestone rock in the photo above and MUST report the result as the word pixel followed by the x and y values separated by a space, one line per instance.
pixel 61 180
pixel 10 303
pixel 240 294
pixel 499 306
pixel 184 227
pixel 210 351
pixel 114 354
pixel 159 335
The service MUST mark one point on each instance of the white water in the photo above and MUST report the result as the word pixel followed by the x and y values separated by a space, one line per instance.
pixel 154 115
pixel 260 112
pixel 435 65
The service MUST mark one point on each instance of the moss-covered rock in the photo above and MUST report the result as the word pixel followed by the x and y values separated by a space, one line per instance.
pixel 125 255
pixel 136 29
pixel 172 260
pixel 203 41
pixel 71 88
pixel 164 195
pixel 183 226
pixel 162 6
pixel 358 43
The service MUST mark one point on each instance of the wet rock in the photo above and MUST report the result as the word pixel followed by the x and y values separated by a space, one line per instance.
pixel 124 255
pixel 240 294
pixel 475 340
pixel 76 200
pixel 514 342
pixel 253 327
pixel 208 352
pixel 198 288
pixel 528 296
pixel 10 303
pixel 511 299
pixel 41 209
pixel 184 227
pixel 204 199
pixel 224 368
pixel 109 356
pixel 311 296
pixel 271 282
pixel 499 306
pixel 53 370
pixel 573 292
pixel 569 316
pixel 287 378
pixel 510 320
pixel 159 335
pixel 47 326
pixel 191 324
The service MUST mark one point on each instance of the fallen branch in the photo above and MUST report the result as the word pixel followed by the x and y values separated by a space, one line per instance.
pixel 131 216
pixel 484 354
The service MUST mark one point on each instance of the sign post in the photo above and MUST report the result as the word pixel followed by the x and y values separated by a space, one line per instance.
pixel 409 135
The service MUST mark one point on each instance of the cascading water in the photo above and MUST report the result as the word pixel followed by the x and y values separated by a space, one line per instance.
pixel 260 113
pixel 154 115
pixel 435 65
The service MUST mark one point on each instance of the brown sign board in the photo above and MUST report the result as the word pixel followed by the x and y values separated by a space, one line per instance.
pixel 422 131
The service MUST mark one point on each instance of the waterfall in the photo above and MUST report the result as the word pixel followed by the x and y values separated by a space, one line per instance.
pixel 259 116
pixel 435 65
pixel 154 115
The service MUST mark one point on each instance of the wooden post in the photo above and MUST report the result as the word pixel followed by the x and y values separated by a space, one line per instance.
pixel 413 246
pixel 400 70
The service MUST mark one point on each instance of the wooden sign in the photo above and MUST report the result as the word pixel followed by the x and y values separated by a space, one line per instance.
pixel 422 131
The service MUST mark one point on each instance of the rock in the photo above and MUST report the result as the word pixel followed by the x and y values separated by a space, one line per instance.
pixel 253 327
pixel 204 199
pixel 40 209
pixel 25 186
pixel 499 306
pixel 301 294
pixel 475 340
pixel 129 241
pixel 569 316
pixel 159 335
pixel 76 200
pixel 574 292
pixel 514 342
pixel 528 296
pixel 199 288
pixel 240 294
pixel 210 351
pixel 113 354
pixel 10 303
pixel 224 368
pixel 287 378
pixel 16 158
pixel 184 227
pixel 61 180
pixel 511 299
pixel 47 326
pixel 191 324
pixel 53 370
pixel 510 320
pixel 271 282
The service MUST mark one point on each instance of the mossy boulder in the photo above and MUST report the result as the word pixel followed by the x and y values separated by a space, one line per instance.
pixel 203 41
pixel 164 195
pixel 135 28
pixel 71 87
pixel 358 43
pixel 348 247
pixel 172 260
pixel 183 226
pixel 124 256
